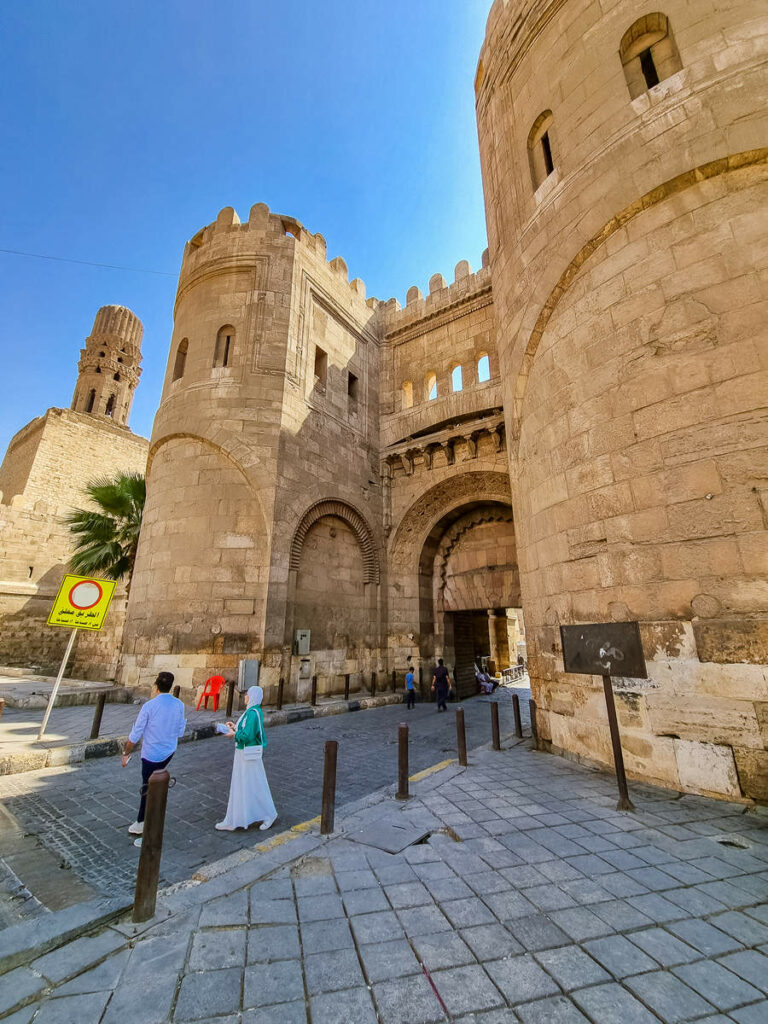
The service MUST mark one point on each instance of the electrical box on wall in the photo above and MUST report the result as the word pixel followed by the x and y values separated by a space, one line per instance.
pixel 248 674
pixel 302 641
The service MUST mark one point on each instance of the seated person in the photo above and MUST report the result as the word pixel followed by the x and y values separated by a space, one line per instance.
pixel 485 683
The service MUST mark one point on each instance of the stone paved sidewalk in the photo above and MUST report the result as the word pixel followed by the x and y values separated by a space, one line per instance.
pixel 533 900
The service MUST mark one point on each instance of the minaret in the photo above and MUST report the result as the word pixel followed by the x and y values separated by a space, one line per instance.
pixel 109 367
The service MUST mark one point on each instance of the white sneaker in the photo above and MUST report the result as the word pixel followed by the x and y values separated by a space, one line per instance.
pixel 137 842
pixel 137 828
pixel 223 827
pixel 267 824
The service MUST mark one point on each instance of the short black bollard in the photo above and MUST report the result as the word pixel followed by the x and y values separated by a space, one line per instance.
pixel 151 847
pixel 402 761
pixel 534 727
pixel 373 684
pixel 280 688
pixel 99 711
pixel 176 691
pixel 346 686
pixel 329 788
pixel 516 713
pixel 461 737
pixel 230 697
pixel 314 690
pixel 495 726
pixel 394 681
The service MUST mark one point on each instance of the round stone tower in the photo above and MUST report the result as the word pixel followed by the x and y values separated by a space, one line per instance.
pixel 110 365
pixel 626 177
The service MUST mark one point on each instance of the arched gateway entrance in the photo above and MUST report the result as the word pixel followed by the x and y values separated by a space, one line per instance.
pixel 455 559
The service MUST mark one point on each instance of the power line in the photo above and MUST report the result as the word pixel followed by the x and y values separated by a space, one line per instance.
pixel 85 263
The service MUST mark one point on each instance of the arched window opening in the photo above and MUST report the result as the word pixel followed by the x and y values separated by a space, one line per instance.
pixel 540 152
pixel 110 405
pixel 102 354
pixel 116 377
pixel 407 394
pixel 430 386
pixel 648 53
pixel 91 400
pixel 321 365
pixel 119 359
pixel 222 355
pixel 181 359
pixel 98 369
pixel 483 368
pixel 457 383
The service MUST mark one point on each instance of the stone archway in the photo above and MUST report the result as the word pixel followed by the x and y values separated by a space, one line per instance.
pixel 360 528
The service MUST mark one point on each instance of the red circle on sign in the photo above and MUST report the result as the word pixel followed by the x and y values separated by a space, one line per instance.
pixel 85 594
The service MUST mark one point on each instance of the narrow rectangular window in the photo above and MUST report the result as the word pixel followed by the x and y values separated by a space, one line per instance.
pixel 547 148
pixel 227 342
pixel 321 365
pixel 352 387
pixel 648 66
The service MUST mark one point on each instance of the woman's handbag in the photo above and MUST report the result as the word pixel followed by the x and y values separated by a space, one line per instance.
pixel 253 753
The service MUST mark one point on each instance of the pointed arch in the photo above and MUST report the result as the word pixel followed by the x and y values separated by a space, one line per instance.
pixel 354 519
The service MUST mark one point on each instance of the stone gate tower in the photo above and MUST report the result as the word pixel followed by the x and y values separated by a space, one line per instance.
pixel 626 183
pixel 109 367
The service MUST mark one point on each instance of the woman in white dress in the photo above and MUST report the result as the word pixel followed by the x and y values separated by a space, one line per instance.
pixel 249 797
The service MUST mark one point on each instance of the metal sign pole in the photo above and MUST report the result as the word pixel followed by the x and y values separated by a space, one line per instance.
pixel 56 685
pixel 624 804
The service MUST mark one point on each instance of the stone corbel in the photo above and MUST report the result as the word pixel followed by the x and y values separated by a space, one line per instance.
pixel 450 455
pixel 428 453
pixel 498 437
pixel 406 460
pixel 471 440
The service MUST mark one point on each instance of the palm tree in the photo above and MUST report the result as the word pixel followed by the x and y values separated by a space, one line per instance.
pixel 106 537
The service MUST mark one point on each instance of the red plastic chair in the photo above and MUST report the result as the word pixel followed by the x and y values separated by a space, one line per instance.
pixel 212 688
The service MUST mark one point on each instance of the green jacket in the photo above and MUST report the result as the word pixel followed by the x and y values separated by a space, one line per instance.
pixel 250 732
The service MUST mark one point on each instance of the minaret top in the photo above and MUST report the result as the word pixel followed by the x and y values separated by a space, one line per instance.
pixel 110 365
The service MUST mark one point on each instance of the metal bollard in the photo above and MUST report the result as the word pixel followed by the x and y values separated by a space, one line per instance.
pixel 461 736
pixel 280 688
pixel 394 681
pixel 516 713
pixel 346 686
pixel 373 684
pixel 329 788
pixel 2 705
pixel 534 728
pixel 98 712
pixel 148 874
pixel 230 697
pixel 314 690
pixel 402 761
pixel 176 691
pixel 495 726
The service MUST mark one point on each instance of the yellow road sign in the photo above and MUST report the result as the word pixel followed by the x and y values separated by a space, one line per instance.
pixel 82 602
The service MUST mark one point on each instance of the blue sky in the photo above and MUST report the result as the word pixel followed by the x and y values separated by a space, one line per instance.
pixel 127 126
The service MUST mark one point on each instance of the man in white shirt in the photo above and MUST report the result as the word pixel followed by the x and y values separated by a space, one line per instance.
pixel 159 725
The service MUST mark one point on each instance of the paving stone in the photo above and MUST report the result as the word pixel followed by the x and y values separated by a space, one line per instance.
pixel 612 1004
pixel 704 937
pixel 746 929
pixel 719 986
pixel 393 873
pixel 328 972
pixel 580 923
pixel 663 947
pixel 385 960
pixel 465 913
pixel 217 948
pixel 537 932
pixel 343 1007
pixel 18 985
pixel 212 994
pixel 443 949
pixel 750 965
pixel 508 905
pixel 319 908
pixel 103 978
pixel 422 921
pixel 364 901
pixel 279 982
pixel 273 889
pixel 491 941
pixel 273 942
pixel 158 989
pixel 465 989
pixel 586 891
pixel 348 881
pixel 232 910
pixel 378 927
pixel 520 979
pixel 274 912
pixel 619 956
pixel 326 935
pixel 408 894
pixel 621 885
pixel 73 1009
pixel 549 897
pixel 620 915
pixel 668 997
pixel 757 1013
pixel 450 888
pixel 70 959
pixel 571 967
pixel 285 1013
pixel 695 902
pixel 23 1016
pixel 404 1001
pixel 489 1017
pixel 314 884
pixel 555 1010
pixel 657 908
pixel 654 879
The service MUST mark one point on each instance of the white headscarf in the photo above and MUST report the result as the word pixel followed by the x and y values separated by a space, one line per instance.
pixel 255 695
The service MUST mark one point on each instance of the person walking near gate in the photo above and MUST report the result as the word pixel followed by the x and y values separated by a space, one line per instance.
pixel 158 727
pixel 410 689
pixel 441 683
